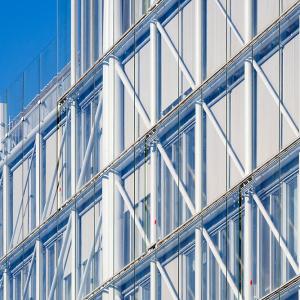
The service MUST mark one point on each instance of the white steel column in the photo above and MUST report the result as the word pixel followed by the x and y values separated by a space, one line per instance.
pixel 39 270
pixel 83 36
pixel 74 40
pixel 298 216
pixel 3 126
pixel 6 203
pixel 5 178
pixel 74 149
pixel 38 178
pixel 155 100
pixel 74 253
pixel 200 70
pixel 6 209
pixel 92 31
pixel 112 138
pixel 298 192
pixel 248 224
pixel 106 184
pixel 6 284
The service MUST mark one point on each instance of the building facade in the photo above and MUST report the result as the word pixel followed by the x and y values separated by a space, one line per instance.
pixel 162 160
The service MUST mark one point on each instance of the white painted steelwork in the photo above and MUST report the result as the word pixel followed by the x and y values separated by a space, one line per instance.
pixel 172 179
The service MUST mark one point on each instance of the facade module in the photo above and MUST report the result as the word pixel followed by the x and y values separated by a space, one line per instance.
pixel 162 160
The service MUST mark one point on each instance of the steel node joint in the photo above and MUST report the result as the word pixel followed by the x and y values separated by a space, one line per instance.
pixel 248 192
pixel 199 101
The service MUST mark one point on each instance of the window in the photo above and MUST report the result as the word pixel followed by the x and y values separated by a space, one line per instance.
pixel 133 10
pixel 142 292
pixel 17 286
pixel 52 255
pixel 174 210
pixel 190 275
pixel 273 267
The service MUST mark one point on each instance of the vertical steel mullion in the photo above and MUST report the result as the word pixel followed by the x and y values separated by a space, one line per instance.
pixel 154 116
pixel 100 28
pixel 38 177
pixel 6 209
pixel 298 180
pixel 74 40
pixel 232 243
pixel 47 289
pixel 82 117
pixel 258 253
pixel 248 218
pixel 271 246
pixel 163 197
pixel 208 272
pixel 74 253
pixel 113 114
pixel 39 263
pixel 200 43
pixel 298 211
pixel 6 284
pixel 92 32
pixel 219 273
pixel 83 39
pixel 184 161
pixel 284 221
pixel 5 196
pixel 74 120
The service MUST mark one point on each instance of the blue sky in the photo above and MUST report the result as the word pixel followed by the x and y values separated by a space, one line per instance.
pixel 26 27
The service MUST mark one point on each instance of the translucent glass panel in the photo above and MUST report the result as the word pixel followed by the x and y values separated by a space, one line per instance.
pixel 23 199
pixel 137 188
pixel 22 281
pixel 133 10
pixel 91 34
pixel 58 268
pixel 89 127
pixel 91 260
pixel 179 32
pixel 119 199
pixel 275 262
pixel 277 111
pixel 90 27
pixel 268 11
pixel 137 70
pixel 172 206
pixel 224 31
pixel 56 168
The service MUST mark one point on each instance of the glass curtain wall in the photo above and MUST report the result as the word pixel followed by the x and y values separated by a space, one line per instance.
pixel 109 191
